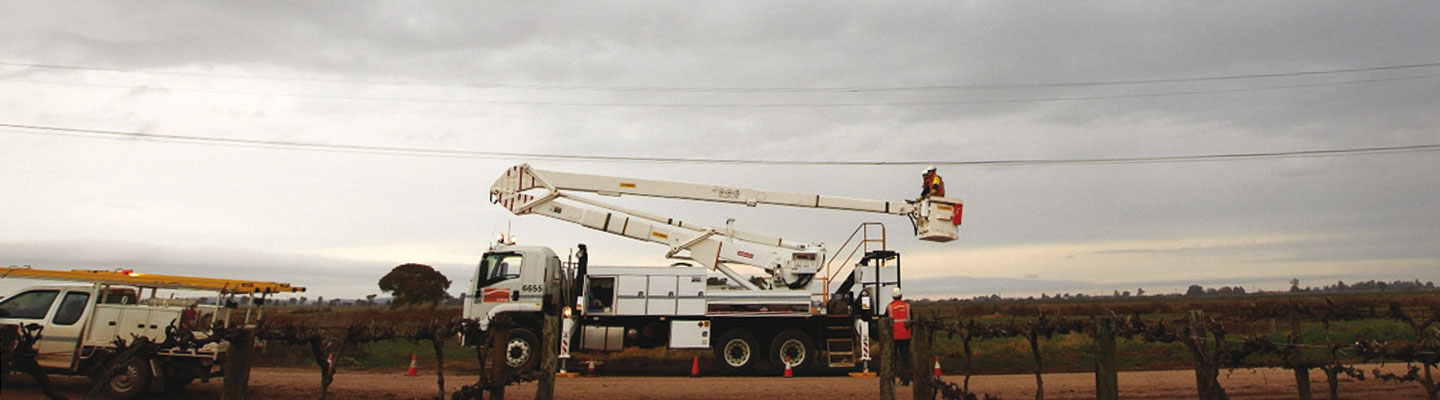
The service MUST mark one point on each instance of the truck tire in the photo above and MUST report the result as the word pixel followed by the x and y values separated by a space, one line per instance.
pixel 737 351
pixel 794 347
pixel 181 372
pixel 522 350
pixel 133 379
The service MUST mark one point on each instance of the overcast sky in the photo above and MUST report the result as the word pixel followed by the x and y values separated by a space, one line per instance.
pixel 762 80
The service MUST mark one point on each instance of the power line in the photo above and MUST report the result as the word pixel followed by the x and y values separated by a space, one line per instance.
pixel 739 89
pixel 746 105
pixel 425 152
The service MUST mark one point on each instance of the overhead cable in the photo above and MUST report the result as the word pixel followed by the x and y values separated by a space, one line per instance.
pixel 743 105
pixel 428 152
pixel 737 89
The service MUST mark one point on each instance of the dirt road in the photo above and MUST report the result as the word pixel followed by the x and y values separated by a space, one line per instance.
pixel 284 383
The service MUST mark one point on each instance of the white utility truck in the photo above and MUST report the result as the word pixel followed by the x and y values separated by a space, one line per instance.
pixel 80 322
pixel 810 310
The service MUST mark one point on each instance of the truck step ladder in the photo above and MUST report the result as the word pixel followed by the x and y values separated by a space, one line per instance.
pixel 840 344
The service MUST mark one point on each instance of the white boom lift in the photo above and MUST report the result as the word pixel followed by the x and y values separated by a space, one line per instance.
pixel 790 320
pixel 524 190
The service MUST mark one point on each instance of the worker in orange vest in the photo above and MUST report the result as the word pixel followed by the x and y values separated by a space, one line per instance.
pixel 899 310
pixel 931 185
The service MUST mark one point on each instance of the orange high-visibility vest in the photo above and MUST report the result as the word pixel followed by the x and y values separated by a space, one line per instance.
pixel 900 311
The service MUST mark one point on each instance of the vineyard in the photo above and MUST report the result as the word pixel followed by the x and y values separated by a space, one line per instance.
pixel 1338 336
pixel 1215 336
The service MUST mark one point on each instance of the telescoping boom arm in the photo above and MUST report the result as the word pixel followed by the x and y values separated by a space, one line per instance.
pixel 524 190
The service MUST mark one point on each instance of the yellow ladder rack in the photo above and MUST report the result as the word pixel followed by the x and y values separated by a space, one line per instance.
pixel 128 277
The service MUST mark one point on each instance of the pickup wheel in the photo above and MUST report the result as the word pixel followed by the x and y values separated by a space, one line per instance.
pixel 737 351
pixel 132 379
pixel 521 350
pixel 181 372
pixel 795 348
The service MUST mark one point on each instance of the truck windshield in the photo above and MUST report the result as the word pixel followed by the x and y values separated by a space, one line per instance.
pixel 496 267
pixel 28 305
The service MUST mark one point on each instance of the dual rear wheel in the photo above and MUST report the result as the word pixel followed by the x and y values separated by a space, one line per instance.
pixel 740 352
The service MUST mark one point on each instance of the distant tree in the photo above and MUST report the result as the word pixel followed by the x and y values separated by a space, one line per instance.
pixel 415 284
pixel 1116 294
pixel 1195 290
pixel 292 301
pixel 1125 293
pixel 370 298
pixel 1294 285
pixel 1139 292
pixel 320 301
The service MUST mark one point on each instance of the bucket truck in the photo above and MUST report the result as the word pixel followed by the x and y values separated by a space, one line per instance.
pixel 801 313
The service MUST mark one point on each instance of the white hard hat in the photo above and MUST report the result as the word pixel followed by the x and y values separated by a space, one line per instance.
pixel 929 169
pixel 895 292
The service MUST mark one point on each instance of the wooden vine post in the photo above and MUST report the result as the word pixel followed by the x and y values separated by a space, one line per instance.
pixel 550 341
pixel 1107 383
pixel 494 373
pixel 237 366
pixel 1297 362
pixel 886 355
pixel 921 361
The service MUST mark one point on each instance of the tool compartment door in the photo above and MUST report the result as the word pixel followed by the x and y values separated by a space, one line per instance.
pixel 690 295
pixel 630 293
pixel 133 321
pixel 662 295
pixel 158 320
pixel 103 331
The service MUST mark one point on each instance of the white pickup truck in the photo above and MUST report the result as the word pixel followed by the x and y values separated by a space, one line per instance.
pixel 80 323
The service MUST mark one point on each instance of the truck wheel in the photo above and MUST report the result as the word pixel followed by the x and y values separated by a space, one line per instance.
pixel 794 347
pixel 521 350
pixel 181 372
pixel 737 351
pixel 134 378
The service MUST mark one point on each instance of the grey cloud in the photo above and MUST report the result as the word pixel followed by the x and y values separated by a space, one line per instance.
pixel 185 196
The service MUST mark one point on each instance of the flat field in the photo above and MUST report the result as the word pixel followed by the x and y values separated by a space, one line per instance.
pixel 293 383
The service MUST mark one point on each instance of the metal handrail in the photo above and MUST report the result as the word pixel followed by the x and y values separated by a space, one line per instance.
pixel 863 231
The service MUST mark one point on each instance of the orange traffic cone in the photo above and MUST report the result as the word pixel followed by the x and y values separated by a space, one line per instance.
pixel 590 367
pixel 330 360
pixel 695 368
pixel 412 371
pixel 937 366
pixel 788 374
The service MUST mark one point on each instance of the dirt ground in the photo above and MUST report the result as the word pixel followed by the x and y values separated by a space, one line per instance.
pixel 289 383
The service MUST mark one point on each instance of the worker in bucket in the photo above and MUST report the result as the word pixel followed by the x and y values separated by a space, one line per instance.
pixel 899 310
pixel 932 184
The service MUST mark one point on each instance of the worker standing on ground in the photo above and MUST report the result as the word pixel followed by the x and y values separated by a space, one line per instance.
pixel 932 185
pixel 899 310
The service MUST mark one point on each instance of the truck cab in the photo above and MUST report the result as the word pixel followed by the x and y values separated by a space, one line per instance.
pixel 509 278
